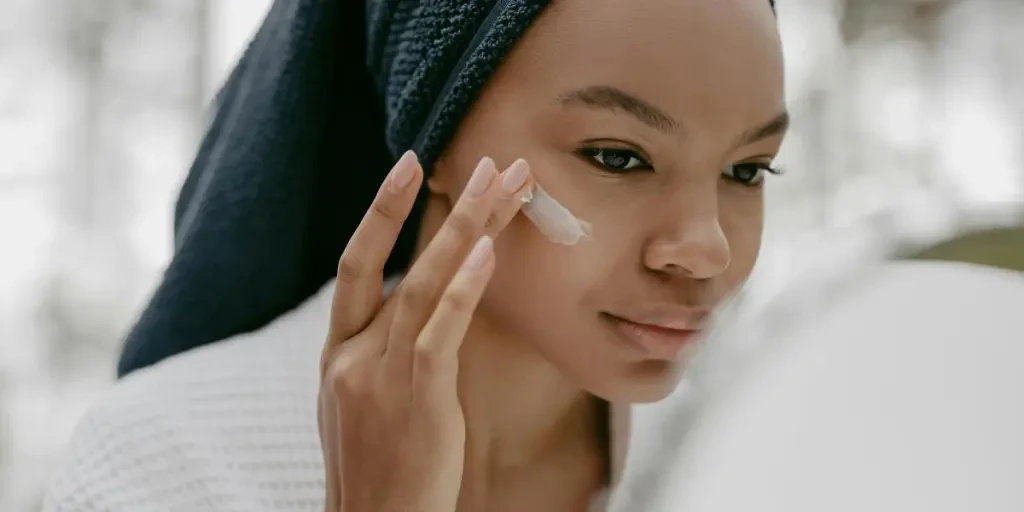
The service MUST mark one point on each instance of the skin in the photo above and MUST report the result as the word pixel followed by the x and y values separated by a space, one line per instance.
pixel 671 239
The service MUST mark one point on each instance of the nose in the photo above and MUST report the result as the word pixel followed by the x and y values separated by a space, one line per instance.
pixel 695 247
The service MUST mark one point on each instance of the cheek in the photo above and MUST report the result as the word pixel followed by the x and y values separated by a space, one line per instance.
pixel 535 296
pixel 544 294
pixel 535 275
pixel 540 291
pixel 742 218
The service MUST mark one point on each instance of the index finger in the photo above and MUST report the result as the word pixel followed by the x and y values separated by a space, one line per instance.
pixel 360 269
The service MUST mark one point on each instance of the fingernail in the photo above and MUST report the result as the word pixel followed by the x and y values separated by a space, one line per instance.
pixel 478 256
pixel 403 172
pixel 481 179
pixel 515 177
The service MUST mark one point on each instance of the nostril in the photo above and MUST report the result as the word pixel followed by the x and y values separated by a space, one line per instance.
pixel 679 270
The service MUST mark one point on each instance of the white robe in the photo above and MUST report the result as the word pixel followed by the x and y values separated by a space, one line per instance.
pixel 230 426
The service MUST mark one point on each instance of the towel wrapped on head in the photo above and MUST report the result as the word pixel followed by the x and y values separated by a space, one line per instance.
pixel 323 100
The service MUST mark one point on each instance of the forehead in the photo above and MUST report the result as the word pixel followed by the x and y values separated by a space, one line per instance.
pixel 712 61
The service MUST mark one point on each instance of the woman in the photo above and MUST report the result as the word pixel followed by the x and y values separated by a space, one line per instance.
pixel 654 123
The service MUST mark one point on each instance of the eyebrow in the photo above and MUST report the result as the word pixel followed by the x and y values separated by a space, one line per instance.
pixel 612 98
pixel 776 126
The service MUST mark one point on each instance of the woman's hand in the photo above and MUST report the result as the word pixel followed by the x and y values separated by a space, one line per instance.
pixel 391 426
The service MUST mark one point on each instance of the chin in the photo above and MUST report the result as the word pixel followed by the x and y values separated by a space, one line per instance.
pixel 639 383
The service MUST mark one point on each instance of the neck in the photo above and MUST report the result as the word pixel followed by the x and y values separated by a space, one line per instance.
pixel 524 420
pixel 519 409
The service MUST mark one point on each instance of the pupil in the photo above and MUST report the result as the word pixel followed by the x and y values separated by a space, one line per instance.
pixel 745 173
pixel 616 159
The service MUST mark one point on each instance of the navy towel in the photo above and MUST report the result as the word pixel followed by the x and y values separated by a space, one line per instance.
pixel 323 100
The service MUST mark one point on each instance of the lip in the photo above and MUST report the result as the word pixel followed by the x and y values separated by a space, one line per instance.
pixel 656 341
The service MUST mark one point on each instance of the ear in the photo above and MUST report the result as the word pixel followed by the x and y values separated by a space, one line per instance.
pixel 436 184
pixel 443 187
pixel 442 181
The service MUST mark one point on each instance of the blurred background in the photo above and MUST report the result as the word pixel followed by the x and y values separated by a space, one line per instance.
pixel 909 114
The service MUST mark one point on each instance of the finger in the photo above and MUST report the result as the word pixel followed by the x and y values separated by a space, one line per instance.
pixel 421 288
pixel 358 289
pixel 435 366
pixel 516 189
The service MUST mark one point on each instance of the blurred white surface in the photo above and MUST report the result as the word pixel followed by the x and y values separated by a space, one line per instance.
pixel 902 395
pixel 101 106
pixel 895 103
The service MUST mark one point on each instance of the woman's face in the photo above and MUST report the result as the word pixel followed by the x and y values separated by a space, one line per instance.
pixel 656 122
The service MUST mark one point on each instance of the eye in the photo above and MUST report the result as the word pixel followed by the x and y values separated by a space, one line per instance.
pixel 616 160
pixel 749 174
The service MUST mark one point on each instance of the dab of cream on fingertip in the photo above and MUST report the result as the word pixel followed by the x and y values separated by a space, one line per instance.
pixel 553 220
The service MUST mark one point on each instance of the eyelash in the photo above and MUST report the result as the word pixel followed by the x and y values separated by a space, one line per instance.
pixel 634 162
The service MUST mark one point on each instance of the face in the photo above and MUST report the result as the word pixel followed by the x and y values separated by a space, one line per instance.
pixel 657 122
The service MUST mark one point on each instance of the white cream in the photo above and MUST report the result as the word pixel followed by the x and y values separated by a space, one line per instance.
pixel 554 220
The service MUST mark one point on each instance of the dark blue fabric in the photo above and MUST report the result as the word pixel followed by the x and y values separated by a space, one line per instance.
pixel 325 97
pixel 304 131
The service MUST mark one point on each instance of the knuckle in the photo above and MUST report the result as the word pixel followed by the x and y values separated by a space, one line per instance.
pixel 350 268
pixel 386 210
pixel 457 301
pixel 346 377
pixel 426 358
pixel 416 297
pixel 463 227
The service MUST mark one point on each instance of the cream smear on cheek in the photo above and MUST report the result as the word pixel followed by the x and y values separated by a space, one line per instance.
pixel 553 220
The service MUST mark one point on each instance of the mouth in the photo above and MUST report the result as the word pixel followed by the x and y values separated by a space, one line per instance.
pixel 654 341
